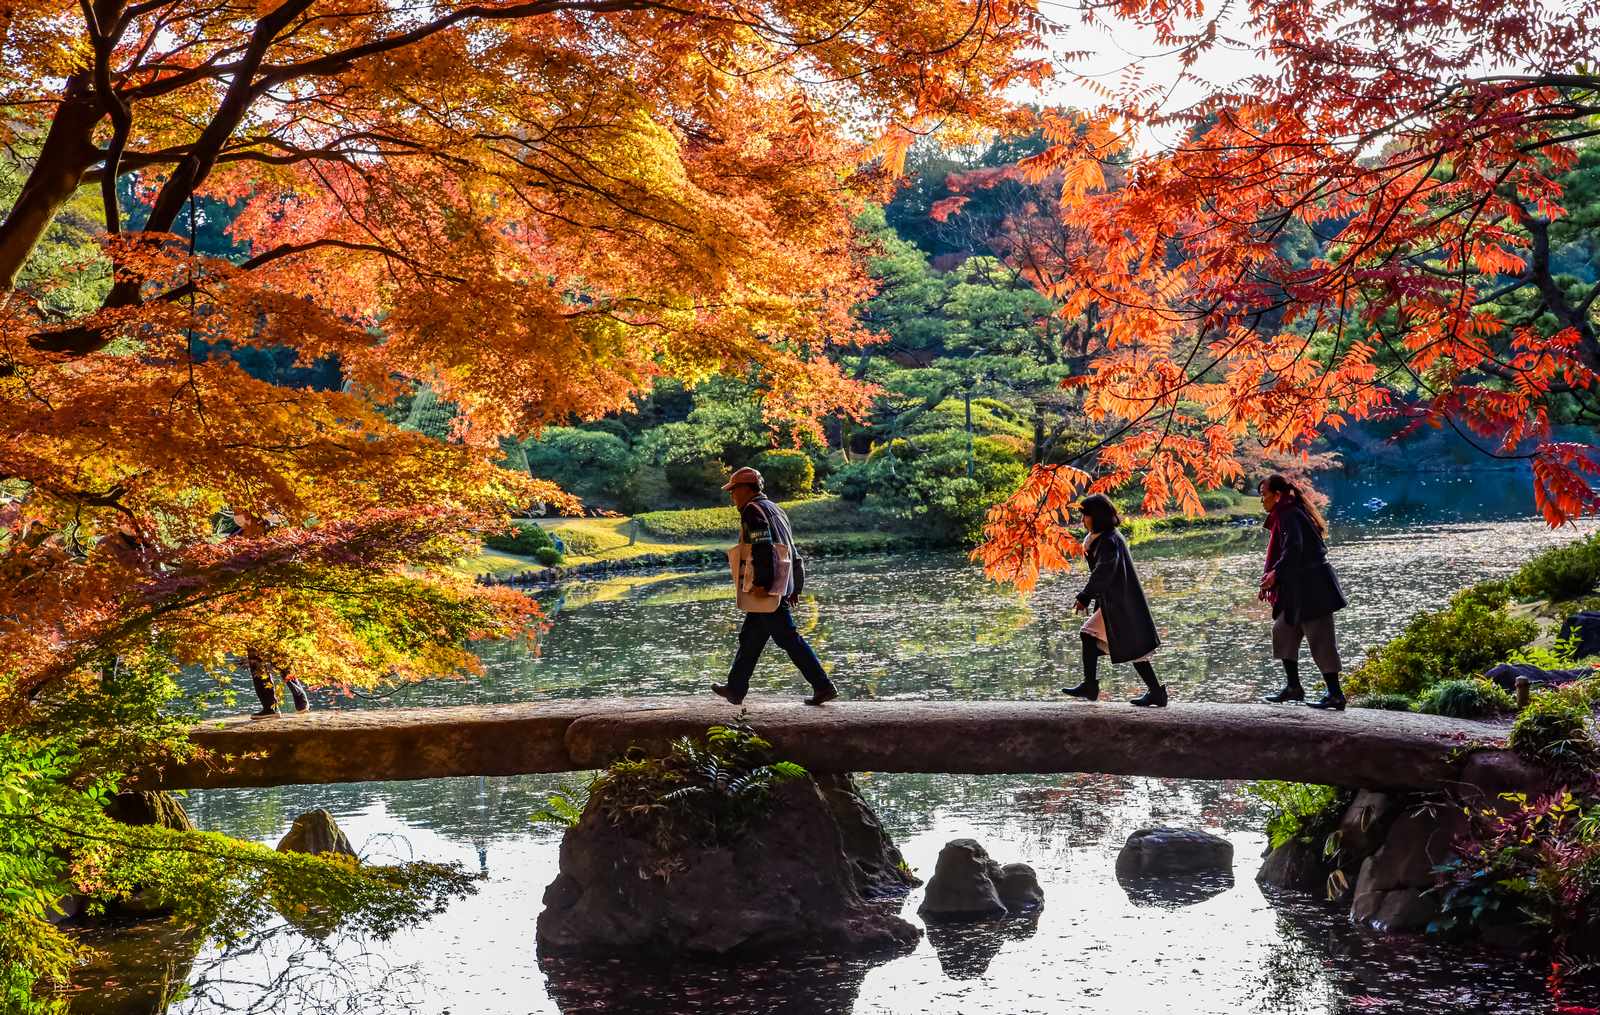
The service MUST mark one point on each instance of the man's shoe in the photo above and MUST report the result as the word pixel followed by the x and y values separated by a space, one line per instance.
pixel 1089 690
pixel 1290 692
pixel 264 713
pixel 1332 701
pixel 302 708
pixel 826 694
pixel 1153 698
pixel 721 691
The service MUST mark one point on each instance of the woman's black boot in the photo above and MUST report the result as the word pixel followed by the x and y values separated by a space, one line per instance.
pixel 1333 699
pixel 1292 691
pixel 1089 689
pixel 1155 696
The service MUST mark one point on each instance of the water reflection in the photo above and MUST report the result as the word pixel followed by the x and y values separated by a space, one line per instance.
pixel 1174 892
pixel 966 949
pixel 924 627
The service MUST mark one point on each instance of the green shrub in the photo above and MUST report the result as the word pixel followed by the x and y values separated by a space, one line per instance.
pixel 821 514
pixel 1221 499
pixel 1385 702
pixel 1466 699
pixel 705 792
pixel 588 463
pixel 1471 634
pixel 1298 810
pixel 549 556
pixel 1561 572
pixel 696 477
pixel 922 483
pixel 1554 730
pixel 788 474
pixel 526 540
pixel 577 542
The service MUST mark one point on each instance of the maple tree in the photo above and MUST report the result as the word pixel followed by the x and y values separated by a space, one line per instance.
pixel 1420 148
pixel 533 208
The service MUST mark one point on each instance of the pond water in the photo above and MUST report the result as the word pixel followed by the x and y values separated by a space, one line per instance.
pixel 920 627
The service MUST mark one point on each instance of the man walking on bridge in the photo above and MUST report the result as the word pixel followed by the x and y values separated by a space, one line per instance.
pixel 764 526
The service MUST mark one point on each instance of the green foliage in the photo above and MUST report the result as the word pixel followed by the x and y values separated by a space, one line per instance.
pixel 588 463
pixel 564 808
pixel 1473 633
pixel 57 773
pixel 787 474
pixel 1554 729
pixel 1535 863
pixel 526 540
pixel 699 478
pixel 1561 572
pixel 1473 698
pixel 430 415
pixel 821 514
pixel 923 483
pixel 1385 702
pixel 1298 810
pixel 705 792
pixel 578 543
pixel 67 272
pixel 1562 654
pixel 549 556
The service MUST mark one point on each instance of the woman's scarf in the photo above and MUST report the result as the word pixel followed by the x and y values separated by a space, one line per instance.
pixel 1274 524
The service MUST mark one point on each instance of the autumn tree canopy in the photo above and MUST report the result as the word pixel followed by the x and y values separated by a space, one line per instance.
pixel 532 208
pixel 1418 150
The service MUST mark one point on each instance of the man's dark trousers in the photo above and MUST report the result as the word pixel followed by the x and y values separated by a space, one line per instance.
pixel 779 626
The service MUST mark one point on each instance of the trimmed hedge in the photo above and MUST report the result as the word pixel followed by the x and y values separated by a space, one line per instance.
pixel 820 514
pixel 524 540
pixel 788 474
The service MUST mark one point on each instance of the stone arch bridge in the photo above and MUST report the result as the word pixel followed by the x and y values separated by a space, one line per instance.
pixel 1360 748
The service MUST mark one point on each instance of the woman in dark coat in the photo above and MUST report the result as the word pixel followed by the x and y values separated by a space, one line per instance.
pixel 1304 592
pixel 1121 626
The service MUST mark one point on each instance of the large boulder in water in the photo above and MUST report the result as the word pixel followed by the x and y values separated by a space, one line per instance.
pixel 786 885
pixel 141 808
pixel 881 871
pixel 968 885
pixel 1164 851
pixel 316 832
pixel 146 807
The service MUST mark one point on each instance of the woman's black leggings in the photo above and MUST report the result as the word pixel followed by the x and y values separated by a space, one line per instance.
pixel 1091 663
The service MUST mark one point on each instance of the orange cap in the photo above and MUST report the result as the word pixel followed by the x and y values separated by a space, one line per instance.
pixel 744 477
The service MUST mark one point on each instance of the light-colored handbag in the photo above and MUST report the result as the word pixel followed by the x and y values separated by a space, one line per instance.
pixel 744 575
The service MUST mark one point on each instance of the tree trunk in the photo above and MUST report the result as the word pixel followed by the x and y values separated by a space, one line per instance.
pixel 68 152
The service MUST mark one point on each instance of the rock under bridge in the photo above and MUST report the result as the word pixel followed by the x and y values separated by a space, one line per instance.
pixel 1359 748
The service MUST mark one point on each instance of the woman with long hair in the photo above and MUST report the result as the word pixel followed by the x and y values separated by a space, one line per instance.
pixel 1121 626
pixel 1304 592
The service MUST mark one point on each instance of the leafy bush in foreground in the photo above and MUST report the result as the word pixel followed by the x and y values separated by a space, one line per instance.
pixel 1473 633
pixel 1554 730
pixel 1384 702
pixel 1298 810
pixel 1473 698
pixel 1561 572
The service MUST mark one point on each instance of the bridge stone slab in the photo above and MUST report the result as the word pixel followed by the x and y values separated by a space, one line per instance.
pixel 1358 748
